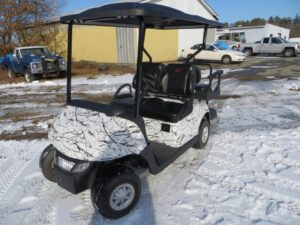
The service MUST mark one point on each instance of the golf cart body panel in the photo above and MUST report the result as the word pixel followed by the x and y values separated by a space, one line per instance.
pixel 169 113
pixel 177 134
pixel 93 136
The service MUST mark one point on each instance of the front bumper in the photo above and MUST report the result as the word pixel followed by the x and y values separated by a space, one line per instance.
pixel 73 181
pixel 238 58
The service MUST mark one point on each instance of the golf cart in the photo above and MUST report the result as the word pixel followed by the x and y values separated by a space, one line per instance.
pixel 103 146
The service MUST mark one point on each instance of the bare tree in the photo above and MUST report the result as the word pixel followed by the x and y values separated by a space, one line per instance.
pixel 22 22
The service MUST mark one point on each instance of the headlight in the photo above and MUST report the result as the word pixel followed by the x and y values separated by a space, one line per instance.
pixel 65 164
pixel 75 167
pixel 63 62
pixel 36 67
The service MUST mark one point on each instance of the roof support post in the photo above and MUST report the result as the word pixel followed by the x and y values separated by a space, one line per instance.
pixel 204 36
pixel 188 59
pixel 69 61
pixel 139 71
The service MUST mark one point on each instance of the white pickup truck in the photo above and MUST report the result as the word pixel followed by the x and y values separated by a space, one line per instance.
pixel 271 45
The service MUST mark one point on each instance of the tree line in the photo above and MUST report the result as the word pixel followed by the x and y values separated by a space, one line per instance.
pixel 22 23
pixel 287 22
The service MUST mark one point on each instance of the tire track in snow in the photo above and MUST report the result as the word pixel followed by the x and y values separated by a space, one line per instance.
pixel 247 189
pixel 16 194
pixel 43 210
pixel 269 179
pixel 8 177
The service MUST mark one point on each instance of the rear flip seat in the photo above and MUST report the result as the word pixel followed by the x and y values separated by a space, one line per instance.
pixel 178 83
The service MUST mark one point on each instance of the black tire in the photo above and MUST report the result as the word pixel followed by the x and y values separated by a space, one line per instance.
pixel 29 77
pixel 47 163
pixel 289 52
pixel 248 52
pixel 103 193
pixel 10 73
pixel 62 74
pixel 226 59
pixel 203 129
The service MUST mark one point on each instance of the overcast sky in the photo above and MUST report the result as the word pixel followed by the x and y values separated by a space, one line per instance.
pixel 229 10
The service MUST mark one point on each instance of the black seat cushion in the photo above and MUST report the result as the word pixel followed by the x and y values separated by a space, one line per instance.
pixel 168 111
pixel 181 80
pixel 151 79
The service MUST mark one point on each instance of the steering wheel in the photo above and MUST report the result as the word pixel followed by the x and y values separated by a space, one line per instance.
pixel 127 95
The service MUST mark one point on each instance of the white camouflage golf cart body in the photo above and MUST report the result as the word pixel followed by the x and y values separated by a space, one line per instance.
pixel 101 146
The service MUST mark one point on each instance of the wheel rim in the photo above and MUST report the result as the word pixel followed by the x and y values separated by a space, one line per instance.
pixel 226 60
pixel 205 134
pixel 122 196
pixel 247 52
pixel 289 52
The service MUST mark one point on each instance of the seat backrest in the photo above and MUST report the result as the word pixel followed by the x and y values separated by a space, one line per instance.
pixel 152 74
pixel 179 80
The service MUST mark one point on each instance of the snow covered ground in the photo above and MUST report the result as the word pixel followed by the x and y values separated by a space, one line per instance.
pixel 251 174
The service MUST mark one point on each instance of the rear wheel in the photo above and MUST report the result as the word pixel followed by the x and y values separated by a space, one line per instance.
pixel 226 59
pixel 248 52
pixel 289 52
pixel 203 135
pixel 29 77
pixel 47 163
pixel 117 196
pixel 11 73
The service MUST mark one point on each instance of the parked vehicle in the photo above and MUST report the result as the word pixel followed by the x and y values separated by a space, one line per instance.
pixel 233 39
pixel 34 62
pixel 104 146
pixel 218 52
pixel 271 45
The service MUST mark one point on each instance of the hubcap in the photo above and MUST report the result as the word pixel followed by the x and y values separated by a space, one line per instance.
pixel 248 53
pixel 289 52
pixel 205 133
pixel 121 197
pixel 226 60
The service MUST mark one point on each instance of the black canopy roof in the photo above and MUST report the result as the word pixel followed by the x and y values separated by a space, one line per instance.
pixel 129 14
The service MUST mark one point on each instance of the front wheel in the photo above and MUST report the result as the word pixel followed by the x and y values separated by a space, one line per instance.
pixel 11 73
pixel 47 163
pixel 116 197
pixel 29 77
pixel 203 134
pixel 289 52
pixel 62 74
pixel 226 59
pixel 248 52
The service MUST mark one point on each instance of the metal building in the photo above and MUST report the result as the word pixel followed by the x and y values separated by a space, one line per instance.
pixel 119 45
